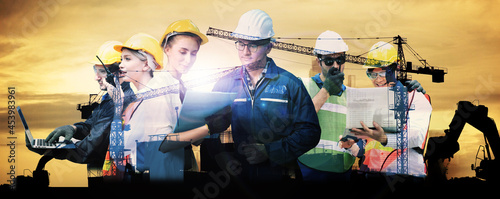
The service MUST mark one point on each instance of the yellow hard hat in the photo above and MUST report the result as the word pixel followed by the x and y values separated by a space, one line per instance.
pixel 382 54
pixel 144 42
pixel 183 26
pixel 107 54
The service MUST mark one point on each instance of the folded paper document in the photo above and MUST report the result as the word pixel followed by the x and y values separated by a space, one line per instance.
pixel 369 105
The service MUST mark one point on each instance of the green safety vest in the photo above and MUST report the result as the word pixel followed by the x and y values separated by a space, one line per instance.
pixel 327 155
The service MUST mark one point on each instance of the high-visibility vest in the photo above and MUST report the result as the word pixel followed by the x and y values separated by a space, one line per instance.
pixel 377 155
pixel 327 155
pixel 109 167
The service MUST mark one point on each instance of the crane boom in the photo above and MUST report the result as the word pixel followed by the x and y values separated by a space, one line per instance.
pixel 436 72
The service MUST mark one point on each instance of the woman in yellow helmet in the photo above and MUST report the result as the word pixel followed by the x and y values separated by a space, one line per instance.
pixel 146 119
pixel 181 43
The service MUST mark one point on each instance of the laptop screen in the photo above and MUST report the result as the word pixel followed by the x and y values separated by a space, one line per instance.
pixel 22 118
pixel 26 129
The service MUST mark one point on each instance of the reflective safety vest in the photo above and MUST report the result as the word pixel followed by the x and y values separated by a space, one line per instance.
pixel 327 155
pixel 110 170
pixel 109 167
pixel 377 155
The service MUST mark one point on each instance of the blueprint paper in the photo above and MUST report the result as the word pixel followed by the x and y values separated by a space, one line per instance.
pixel 369 105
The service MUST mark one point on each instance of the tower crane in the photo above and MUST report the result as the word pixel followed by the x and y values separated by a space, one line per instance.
pixel 405 67
pixel 87 108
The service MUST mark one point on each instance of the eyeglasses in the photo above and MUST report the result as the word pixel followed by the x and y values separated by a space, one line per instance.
pixel 330 60
pixel 373 75
pixel 102 71
pixel 251 46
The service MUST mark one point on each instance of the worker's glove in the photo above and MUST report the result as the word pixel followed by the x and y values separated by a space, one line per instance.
pixel 115 92
pixel 255 153
pixel 333 81
pixel 67 131
pixel 414 84
pixel 218 122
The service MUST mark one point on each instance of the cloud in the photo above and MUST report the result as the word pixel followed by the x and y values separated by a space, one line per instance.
pixel 4 75
pixel 46 111
pixel 11 10
pixel 8 47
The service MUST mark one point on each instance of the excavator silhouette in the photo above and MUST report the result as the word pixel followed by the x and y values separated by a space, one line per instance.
pixel 440 148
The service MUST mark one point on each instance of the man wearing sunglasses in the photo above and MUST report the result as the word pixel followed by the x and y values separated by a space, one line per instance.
pixel 328 162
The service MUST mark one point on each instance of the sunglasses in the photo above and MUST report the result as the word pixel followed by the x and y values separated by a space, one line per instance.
pixel 330 60
pixel 373 75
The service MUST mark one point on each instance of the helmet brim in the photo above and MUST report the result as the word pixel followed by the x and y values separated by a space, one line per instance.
pixel 204 38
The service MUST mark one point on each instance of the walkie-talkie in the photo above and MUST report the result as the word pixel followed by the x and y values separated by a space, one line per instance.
pixel 349 137
pixel 334 71
pixel 110 78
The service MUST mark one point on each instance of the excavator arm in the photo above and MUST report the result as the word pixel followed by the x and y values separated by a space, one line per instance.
pixel 443 147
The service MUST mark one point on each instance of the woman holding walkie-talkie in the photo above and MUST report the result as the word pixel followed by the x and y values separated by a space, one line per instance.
pixel 145 119
pixel 180 43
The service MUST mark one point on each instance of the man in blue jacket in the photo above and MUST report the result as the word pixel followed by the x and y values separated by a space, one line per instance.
pixel 273 119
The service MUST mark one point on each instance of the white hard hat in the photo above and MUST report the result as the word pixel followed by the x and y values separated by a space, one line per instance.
pixel 330 42
pixel 254 25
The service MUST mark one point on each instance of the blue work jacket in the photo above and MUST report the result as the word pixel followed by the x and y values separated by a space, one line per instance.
pixel 280 115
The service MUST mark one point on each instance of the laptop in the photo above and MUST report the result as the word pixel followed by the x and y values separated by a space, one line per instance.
pixel 41 143
pixel 196 107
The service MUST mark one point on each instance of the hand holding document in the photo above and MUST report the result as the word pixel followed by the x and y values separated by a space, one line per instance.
pixel 370 105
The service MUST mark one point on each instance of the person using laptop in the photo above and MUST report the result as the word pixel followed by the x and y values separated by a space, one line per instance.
pixel 93 133
pixel 181 43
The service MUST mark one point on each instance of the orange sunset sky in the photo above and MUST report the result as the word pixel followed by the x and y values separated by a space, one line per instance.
pixel 46 46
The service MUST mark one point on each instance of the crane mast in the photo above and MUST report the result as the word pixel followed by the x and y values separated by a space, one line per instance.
pixel 401 106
